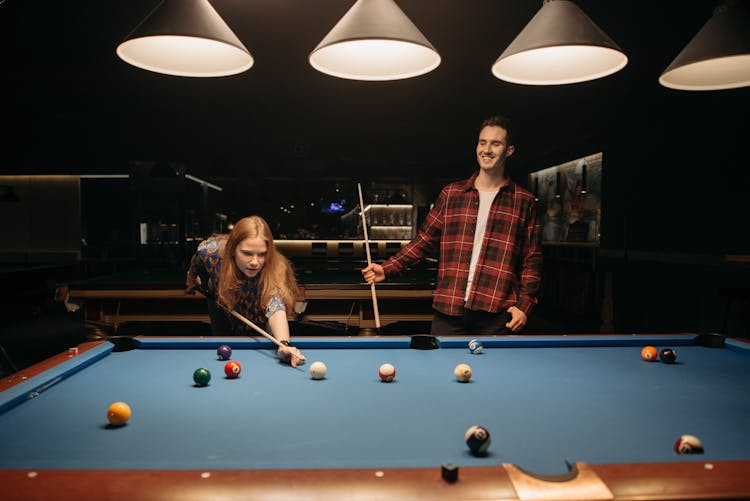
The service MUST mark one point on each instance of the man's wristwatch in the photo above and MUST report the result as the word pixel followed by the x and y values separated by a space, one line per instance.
pixel 284 342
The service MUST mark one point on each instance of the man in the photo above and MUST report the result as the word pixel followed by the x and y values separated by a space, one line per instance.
pixel 487 232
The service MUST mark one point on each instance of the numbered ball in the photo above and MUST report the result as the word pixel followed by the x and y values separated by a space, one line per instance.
pixel 201 376
pixel 318 370
pixel 462 373
pixel 649 354
pixel 688 444
pixel 387 372
pixel 232 369
pixel 224 352
pixel 118 413
pixel 475 347
pixel 668 356
pixel 478 440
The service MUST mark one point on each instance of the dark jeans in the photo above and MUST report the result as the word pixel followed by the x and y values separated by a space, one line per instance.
pixel 471 322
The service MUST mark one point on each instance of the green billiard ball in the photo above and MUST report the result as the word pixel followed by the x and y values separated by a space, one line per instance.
pixel 201 376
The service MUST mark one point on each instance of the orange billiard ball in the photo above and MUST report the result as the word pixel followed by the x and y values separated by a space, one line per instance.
pixel 118 413
pixel 232 369
pixel 649 354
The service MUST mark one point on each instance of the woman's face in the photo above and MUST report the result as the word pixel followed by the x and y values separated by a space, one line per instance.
pixel 250 256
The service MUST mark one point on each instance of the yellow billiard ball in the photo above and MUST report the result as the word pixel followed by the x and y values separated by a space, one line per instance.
pixel 118 413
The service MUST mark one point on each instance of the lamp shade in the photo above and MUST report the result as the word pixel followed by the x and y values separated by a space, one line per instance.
pixel 718 57
pixel 375 40
pixel 185 38
pixel 560 45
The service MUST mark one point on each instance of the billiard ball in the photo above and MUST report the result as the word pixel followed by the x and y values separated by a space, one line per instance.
pixel 649 353
pixel 462 373
pixel 387 372
pixel 224 352
pixel 668 355
pixel 318 370
pixel 201 376
pixel 232 369
pixel 475 347
pixel 118 413
pixel 688 444
pixel 478 440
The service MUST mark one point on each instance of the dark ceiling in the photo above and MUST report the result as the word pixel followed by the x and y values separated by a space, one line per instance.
pixel 70 105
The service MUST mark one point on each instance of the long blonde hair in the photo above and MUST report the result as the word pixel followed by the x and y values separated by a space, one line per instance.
pixel 277 273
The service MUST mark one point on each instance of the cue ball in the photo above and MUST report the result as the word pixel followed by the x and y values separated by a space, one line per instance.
pixel 232 369
pixel 475 347
pixel 688 444
pixel 668 355
pixel 118 413
pixel 649 353
pixel 201 376
pixel 478 440
pixel 387 372
pixel 462 373
pixel 318 370
pixel 224 352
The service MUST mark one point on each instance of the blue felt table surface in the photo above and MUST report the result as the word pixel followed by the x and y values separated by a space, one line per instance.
pixel 542 405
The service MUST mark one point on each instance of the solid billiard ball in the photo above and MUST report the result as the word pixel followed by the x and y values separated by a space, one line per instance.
pixel 649 353
pixel 668 355
pixel 475 347
pixel 201 376
pixel 478 440
pixel 232 369
pixel 462 373
pixel 688 444
pixel 118 413
pixel 387 372
pixel 318 370
pixel 224 352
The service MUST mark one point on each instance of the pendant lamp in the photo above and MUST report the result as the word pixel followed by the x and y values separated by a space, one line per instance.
pixel 185 38
pixel 718 57
pixel 375 40
pixel 560 45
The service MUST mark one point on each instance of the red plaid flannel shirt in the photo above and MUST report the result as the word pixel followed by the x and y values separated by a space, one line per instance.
pixel 509 269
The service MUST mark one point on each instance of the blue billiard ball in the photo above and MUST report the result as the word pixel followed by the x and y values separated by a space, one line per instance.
pixel 475 347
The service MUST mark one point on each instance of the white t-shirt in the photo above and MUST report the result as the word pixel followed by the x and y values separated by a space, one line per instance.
pixel 485 202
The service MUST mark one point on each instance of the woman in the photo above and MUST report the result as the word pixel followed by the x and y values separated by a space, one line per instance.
pixel 246 274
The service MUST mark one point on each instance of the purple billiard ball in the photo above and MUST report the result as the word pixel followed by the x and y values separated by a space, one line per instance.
pixel 224 352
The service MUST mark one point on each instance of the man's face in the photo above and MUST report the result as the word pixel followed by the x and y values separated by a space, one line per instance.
pixel 492 149
pixel 250 256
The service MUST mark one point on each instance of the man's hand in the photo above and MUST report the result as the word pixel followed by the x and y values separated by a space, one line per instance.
pixel 373 273
pixel 291 355
pixel 517 319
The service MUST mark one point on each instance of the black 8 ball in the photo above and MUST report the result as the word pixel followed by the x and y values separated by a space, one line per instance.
pixel 667 355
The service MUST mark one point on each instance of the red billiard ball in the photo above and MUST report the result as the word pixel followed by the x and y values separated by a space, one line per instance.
pixel 688 444
pixel 649 354
pixel 387 372
pixel 232 369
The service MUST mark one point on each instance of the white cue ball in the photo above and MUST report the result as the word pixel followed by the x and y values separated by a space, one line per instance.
pixel 318 370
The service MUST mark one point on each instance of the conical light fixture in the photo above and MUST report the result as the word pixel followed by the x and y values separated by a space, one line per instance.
pixel 185 38
pixel 718 57
pixel 560 45
pixel 375 40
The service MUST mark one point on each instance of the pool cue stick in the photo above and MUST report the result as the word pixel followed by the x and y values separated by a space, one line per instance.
pixel 242 319
pixel 369 258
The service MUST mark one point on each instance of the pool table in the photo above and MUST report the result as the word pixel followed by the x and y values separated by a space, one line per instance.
pixel 333 289
pixel 570 417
